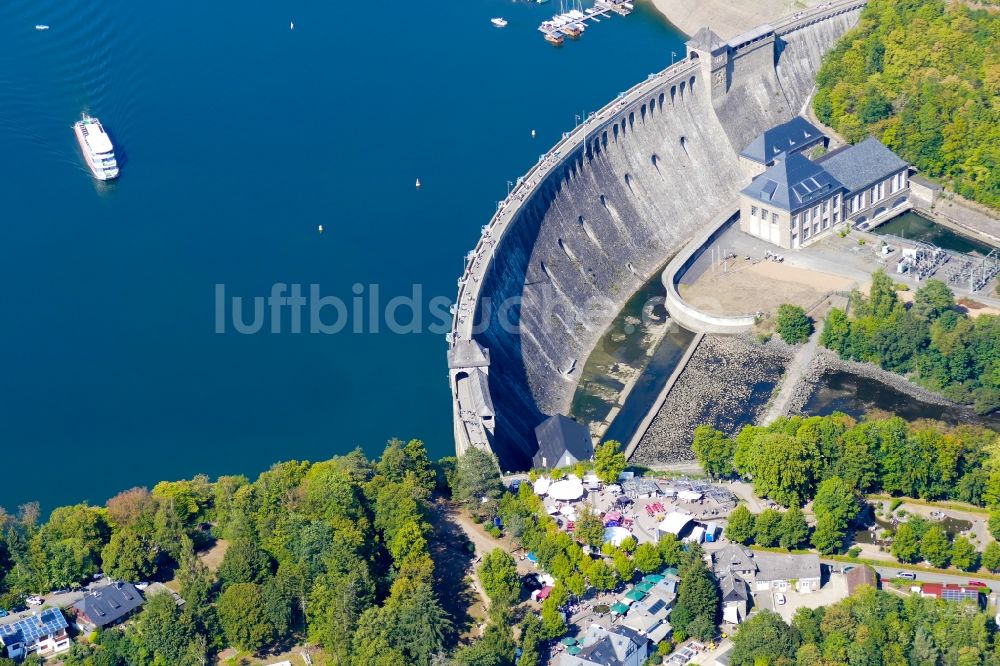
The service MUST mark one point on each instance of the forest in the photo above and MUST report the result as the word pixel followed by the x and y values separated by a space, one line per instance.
pixel 339 553
pixel 924 77
pixel 871 628
pixel 933 340
pixel 834 462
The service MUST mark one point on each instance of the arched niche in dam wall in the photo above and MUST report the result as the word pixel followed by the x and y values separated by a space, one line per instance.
pixel 607 216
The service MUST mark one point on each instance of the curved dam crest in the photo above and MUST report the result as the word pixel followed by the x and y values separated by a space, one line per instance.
pixel 602 212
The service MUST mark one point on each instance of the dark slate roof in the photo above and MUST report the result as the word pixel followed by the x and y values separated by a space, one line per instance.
pixel 862 165
pixel 706 40
pixel 733 588
pixel 29 630
pixel 109 604
pixel 778 566
pixel 560 434
pixel 792 183
pixel 787 137
pixel 733 557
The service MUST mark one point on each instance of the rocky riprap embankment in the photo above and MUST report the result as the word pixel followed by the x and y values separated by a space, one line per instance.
pixel 827 361
pixel 727 383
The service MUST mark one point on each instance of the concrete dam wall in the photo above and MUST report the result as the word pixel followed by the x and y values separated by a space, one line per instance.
pixel 603 211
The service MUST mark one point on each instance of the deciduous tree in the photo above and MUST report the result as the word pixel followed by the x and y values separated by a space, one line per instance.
pixel 741 525
pixel 793 325
pixel 714 450
pixel 934 547
pixel 793 531
pixel 609 461
pixel 498 574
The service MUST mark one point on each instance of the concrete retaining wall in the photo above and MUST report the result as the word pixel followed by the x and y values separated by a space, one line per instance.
pixel 685 314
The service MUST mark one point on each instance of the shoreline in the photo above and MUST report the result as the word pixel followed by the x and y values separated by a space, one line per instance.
pixel 726 19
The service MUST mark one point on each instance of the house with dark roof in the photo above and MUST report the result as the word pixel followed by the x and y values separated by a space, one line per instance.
pixel 43 633
pixel 107 606
pixel 795 201
pixel 735 595
pixel 617 646
pixel 562 442
pixel 795 136
pixel 733 559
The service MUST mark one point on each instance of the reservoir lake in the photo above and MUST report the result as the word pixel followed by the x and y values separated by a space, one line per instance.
pixel 238 138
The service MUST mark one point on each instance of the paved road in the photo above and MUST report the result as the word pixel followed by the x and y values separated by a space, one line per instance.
pixel 889 572
pixel 51 600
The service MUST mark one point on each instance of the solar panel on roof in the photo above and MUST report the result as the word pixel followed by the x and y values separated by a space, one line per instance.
pixel 658 606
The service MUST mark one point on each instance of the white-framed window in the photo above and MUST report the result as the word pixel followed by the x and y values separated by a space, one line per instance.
pixel 753 211
pixel 774 218
pixel 763 214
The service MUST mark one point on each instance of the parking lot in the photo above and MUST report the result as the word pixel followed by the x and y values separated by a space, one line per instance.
pixel 833 590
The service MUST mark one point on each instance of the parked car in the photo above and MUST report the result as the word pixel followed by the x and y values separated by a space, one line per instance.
pixel 977 583
pixel 779 598
pixel 141 586
pixel 98 576
pixel 35 601
pixel 847 568
pixel 906 575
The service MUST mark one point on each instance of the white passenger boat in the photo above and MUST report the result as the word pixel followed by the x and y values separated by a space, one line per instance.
pixel 41 26
pixel 97 149
pixel 499 22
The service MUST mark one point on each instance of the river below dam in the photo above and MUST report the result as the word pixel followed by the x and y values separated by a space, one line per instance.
pixel 839 391
pixel 914 226
pixel 239 136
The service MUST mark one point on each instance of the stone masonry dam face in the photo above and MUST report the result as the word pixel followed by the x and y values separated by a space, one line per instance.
pixel 613 209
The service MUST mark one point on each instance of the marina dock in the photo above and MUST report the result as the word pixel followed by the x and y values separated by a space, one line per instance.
pixel 573 23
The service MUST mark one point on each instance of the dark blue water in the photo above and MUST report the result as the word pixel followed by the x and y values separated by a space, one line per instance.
pixel 239 137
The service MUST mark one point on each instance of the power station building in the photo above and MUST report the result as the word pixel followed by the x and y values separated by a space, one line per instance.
pixel 795 200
